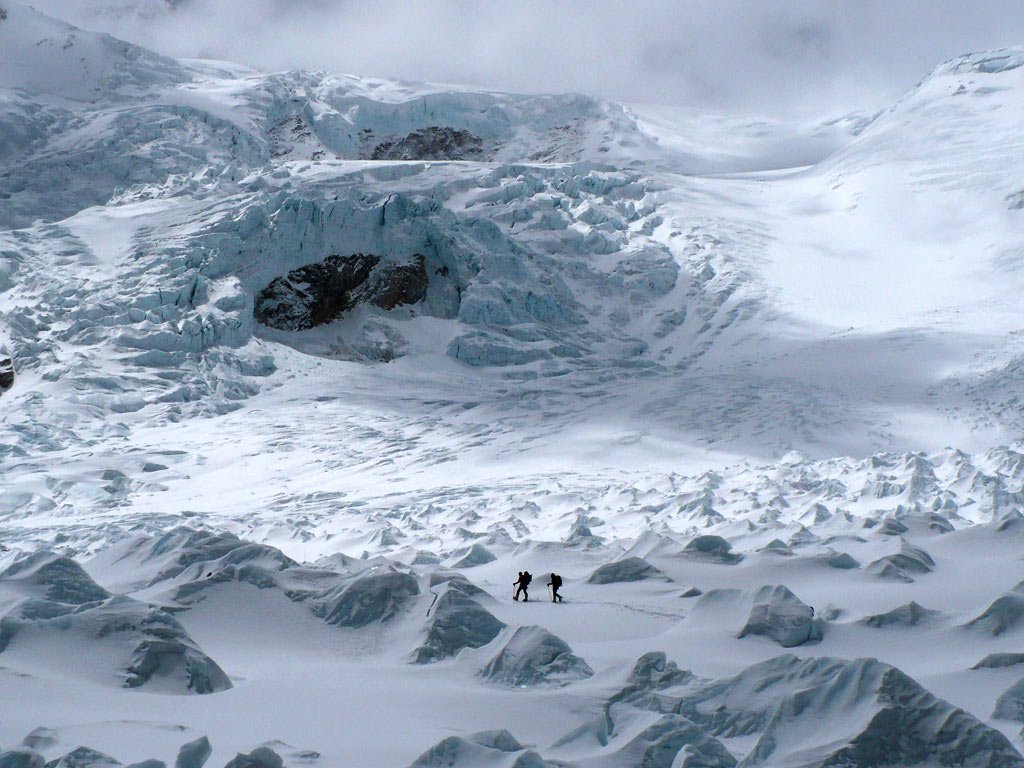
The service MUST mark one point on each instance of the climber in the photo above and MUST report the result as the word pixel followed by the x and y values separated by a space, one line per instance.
pixel 521 585
pixel 555 584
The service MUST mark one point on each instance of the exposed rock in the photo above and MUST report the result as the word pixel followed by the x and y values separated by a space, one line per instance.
pixel 457 621
pixel 431 143
pixel 712 548
pixel 1000 661
pixel 321 293
pixel 6 373
pixel 780 615
pixel 534 656
pixel 261 757
pixel 909 615
pixel 374 596
pixel 628 569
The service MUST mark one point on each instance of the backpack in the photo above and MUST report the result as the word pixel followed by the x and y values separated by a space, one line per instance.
pixel 527 577
pixel 556 580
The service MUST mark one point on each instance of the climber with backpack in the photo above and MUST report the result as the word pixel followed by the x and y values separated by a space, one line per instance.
pixel 555 584
pixel 521 585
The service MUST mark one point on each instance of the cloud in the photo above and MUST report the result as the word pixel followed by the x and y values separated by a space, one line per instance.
pixel 800 57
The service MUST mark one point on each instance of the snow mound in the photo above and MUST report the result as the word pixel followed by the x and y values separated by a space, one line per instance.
pixel 534 656
pixel 457 621
pixel 872 714
pixel 628 569
pixel 780 615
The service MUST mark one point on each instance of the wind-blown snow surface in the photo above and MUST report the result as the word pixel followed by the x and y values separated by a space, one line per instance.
pixel 764 422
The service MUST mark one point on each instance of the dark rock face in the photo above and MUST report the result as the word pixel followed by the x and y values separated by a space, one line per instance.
pixel 6 373
pixel 432 143
pixel 321 293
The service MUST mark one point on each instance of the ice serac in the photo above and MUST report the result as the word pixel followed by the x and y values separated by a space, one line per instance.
pixel 872 714
pixel 627 569
pixel 534 656
pixel 494 749
pixel 54 577
pixel 713 548
pixel 780 615
pixel 366 598
pixel 909 615
pixel 261 757
pixel 457 621
pixel 154 649
pixel 21 757
pixel 1010 704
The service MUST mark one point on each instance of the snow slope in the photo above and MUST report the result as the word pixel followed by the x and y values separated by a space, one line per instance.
pixel 592 336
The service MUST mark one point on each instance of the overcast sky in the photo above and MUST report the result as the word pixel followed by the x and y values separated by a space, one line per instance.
pixel 770 57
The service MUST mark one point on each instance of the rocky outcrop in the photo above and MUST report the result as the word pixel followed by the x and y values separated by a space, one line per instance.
pixel 431 143
pixel 320 293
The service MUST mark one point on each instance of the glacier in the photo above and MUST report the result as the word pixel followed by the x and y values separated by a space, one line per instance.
pixel 298 369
